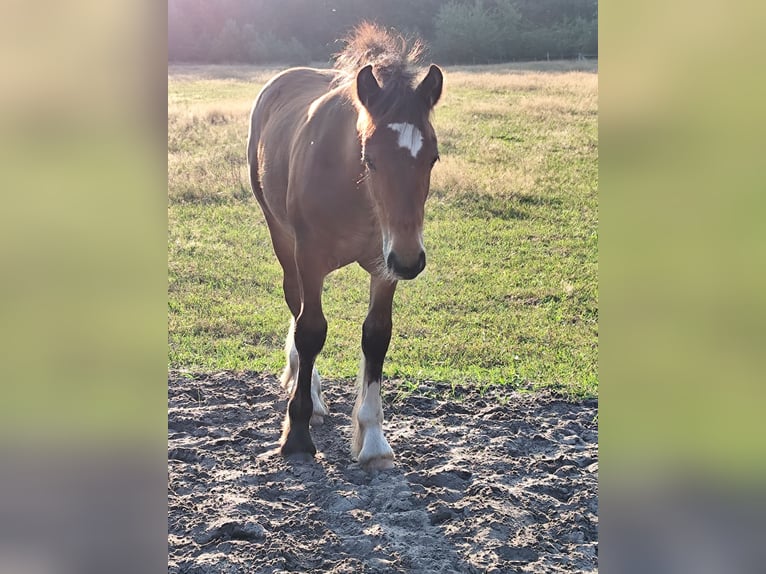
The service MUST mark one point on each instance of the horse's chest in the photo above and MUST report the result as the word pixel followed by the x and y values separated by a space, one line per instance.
pixel 358 244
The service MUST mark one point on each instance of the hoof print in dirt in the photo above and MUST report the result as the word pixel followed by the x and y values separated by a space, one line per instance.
pixel 186 455
pixel 517 555
pixel 440 514
pixel 231 531
pixel 298 457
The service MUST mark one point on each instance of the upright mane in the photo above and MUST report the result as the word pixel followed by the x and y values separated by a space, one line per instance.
pixel 392 57
pixel 390 54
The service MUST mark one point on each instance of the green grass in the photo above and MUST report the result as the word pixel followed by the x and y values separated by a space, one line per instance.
pixel 510 294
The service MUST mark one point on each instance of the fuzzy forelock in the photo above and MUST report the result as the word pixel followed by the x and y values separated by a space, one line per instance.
pixel 392 56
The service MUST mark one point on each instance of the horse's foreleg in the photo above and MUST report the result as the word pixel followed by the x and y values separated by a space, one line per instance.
pixel 284 247
pixel 289 378
pixel 309 336
pixel 369 445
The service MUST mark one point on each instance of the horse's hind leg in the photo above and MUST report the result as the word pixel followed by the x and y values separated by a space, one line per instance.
pixel 368 444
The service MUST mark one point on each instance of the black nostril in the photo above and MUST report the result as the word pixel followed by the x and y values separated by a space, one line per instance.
pixel 403 271
pixel 392 262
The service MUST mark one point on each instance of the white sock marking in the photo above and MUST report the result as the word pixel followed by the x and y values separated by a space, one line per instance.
pixel 369 418
pixel 291 359
pixel 409 137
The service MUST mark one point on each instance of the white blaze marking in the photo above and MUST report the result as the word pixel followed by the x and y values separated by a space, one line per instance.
pixel 409 137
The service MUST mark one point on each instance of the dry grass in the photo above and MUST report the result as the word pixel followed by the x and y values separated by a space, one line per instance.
pixel 195 73
pixel 569 82
pixel 511 135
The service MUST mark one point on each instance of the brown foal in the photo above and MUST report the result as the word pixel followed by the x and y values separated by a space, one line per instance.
pixel 340 162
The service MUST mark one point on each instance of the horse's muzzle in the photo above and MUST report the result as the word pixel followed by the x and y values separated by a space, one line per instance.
pixel 406 271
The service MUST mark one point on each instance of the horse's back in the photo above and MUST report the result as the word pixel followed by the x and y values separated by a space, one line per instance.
pixel 283 103
pixel 279 112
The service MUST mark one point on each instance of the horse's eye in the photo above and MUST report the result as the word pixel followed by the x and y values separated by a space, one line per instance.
pixel 368 162
pixel 433 161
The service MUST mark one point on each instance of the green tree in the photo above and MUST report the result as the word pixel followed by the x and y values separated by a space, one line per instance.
pixel 228 45
pixel 466 33
pixel 508 19
pixel 458 31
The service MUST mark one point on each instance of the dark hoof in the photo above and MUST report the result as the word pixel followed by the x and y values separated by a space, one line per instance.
pixel 298 443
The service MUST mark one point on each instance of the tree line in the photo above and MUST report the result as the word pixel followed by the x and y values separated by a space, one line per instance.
pixel 304 31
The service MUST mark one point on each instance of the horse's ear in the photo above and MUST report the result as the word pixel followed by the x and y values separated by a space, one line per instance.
pixel 367 87
pixel 430 89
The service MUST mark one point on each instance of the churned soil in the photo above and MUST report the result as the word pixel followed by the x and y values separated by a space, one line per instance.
pixel 493 482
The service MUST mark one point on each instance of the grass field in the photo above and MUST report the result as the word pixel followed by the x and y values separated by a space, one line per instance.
pixel 510 294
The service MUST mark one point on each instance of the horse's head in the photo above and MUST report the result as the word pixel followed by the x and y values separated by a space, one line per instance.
pixel 399 149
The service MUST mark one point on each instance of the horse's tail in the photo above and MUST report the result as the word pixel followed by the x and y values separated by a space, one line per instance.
pixel 253 139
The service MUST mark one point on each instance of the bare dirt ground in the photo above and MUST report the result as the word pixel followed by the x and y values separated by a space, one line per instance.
pixel 504 482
